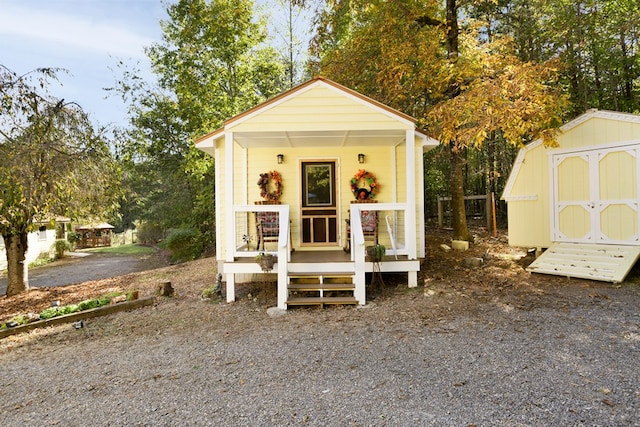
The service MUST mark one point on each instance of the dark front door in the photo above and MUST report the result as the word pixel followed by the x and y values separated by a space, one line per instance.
pixel 319 213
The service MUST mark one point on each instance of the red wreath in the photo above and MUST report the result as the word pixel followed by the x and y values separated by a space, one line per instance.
pixel 263 183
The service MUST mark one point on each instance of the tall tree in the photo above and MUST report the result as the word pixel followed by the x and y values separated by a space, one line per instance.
pixel 287 36
pixel 597 41
pixel 52 162
pixel 433 64
pixel 214 62
pixel 211 65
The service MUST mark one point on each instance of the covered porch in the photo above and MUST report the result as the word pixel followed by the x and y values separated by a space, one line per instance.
pixel 320 271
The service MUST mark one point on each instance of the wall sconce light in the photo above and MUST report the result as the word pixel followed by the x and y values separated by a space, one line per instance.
pixel 280 159
pixel 360 158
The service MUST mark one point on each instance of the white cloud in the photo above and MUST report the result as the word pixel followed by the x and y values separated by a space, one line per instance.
pixel 67 31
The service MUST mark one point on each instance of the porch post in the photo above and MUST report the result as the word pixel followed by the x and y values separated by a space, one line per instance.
pixel 357 239
pixel 410 213
pixel 360 277
pixel 229 212
pixel 284 252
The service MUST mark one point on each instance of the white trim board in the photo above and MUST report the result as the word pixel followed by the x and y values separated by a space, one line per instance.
pixel 606 263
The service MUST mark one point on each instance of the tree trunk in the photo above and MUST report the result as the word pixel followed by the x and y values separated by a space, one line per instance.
pixel 17 267
pixel 458 211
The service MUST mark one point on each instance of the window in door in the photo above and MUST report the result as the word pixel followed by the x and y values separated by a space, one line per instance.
pixel 319 213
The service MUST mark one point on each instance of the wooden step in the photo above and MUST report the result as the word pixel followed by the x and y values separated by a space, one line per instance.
pixel 321 301
pixel 299 287
pixel 321 278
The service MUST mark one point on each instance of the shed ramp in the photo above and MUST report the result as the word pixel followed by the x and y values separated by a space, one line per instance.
pixel 607 263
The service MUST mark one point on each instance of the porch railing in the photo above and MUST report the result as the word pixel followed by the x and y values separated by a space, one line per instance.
pixel 245 234
pixel 392 232
pixel 244 229
pixel 395 230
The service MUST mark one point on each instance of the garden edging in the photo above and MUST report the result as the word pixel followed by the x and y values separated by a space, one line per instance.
pixel 81 315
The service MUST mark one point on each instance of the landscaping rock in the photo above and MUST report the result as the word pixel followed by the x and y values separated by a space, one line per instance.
pixel 460 245
pixel 472 262
pixel 274 312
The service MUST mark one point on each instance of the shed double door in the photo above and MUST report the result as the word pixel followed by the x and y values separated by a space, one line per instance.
pixel 596 195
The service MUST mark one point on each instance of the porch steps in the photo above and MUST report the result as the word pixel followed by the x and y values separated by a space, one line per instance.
pixel 311 289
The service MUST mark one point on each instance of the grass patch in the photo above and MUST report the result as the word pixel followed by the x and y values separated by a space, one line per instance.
pixel 131 249
pixel 40 262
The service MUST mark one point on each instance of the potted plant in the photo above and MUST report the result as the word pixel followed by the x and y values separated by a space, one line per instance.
pixel 266 260
pixel 376 252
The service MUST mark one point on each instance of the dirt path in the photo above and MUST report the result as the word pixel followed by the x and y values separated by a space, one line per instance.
pixel 83 267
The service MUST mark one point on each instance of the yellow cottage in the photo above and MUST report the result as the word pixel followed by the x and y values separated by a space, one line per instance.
pixel 580 199
pixel 315 176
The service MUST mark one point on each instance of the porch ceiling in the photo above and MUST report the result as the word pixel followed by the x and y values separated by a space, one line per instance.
pixel 348 138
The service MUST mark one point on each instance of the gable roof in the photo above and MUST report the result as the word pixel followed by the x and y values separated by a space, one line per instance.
pixel 318 112
pixel 315 82
pixel 586 116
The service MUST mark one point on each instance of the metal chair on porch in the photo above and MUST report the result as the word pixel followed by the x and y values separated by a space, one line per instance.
pixel 267 228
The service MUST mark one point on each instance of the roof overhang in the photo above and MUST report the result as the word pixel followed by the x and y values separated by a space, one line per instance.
pixel 332 138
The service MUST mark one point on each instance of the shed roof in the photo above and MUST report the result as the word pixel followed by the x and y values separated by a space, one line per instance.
pixel 588 115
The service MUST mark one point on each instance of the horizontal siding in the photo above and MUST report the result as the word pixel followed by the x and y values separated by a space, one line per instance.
pixel 598 131
pixel 533 175
pixel 36 247
pixel 377 162
pixel 319 109
pixel 529 220
pixel 529 224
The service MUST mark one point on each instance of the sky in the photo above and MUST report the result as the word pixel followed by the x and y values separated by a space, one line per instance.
pixel 86 37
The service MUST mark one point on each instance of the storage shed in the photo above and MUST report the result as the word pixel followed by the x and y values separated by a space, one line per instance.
pixel 582 193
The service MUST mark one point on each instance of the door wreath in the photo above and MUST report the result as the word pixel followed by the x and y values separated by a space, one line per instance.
pixel 362 177
pixel 263 183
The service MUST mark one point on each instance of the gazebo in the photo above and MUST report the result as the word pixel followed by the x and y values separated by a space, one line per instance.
pixel 94 235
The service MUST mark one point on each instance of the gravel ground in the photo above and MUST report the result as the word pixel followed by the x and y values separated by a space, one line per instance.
pixel 436 356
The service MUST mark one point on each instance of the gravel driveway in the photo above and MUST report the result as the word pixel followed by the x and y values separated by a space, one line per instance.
pixel 80 267
pixel 414 358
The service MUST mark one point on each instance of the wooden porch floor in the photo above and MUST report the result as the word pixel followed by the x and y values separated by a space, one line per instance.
pixel 323 257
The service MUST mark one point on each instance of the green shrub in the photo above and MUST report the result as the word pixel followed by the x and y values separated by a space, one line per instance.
pixel 185 244
pixel 149 234
pixel 49 313
pixel 81 306
pixel 73 237
pixel 88 304
pixel 43 259
pixel 59 247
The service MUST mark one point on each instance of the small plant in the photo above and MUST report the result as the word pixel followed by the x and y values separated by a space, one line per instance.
pixel 266 260
pixel 214 292
pixel 376 252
